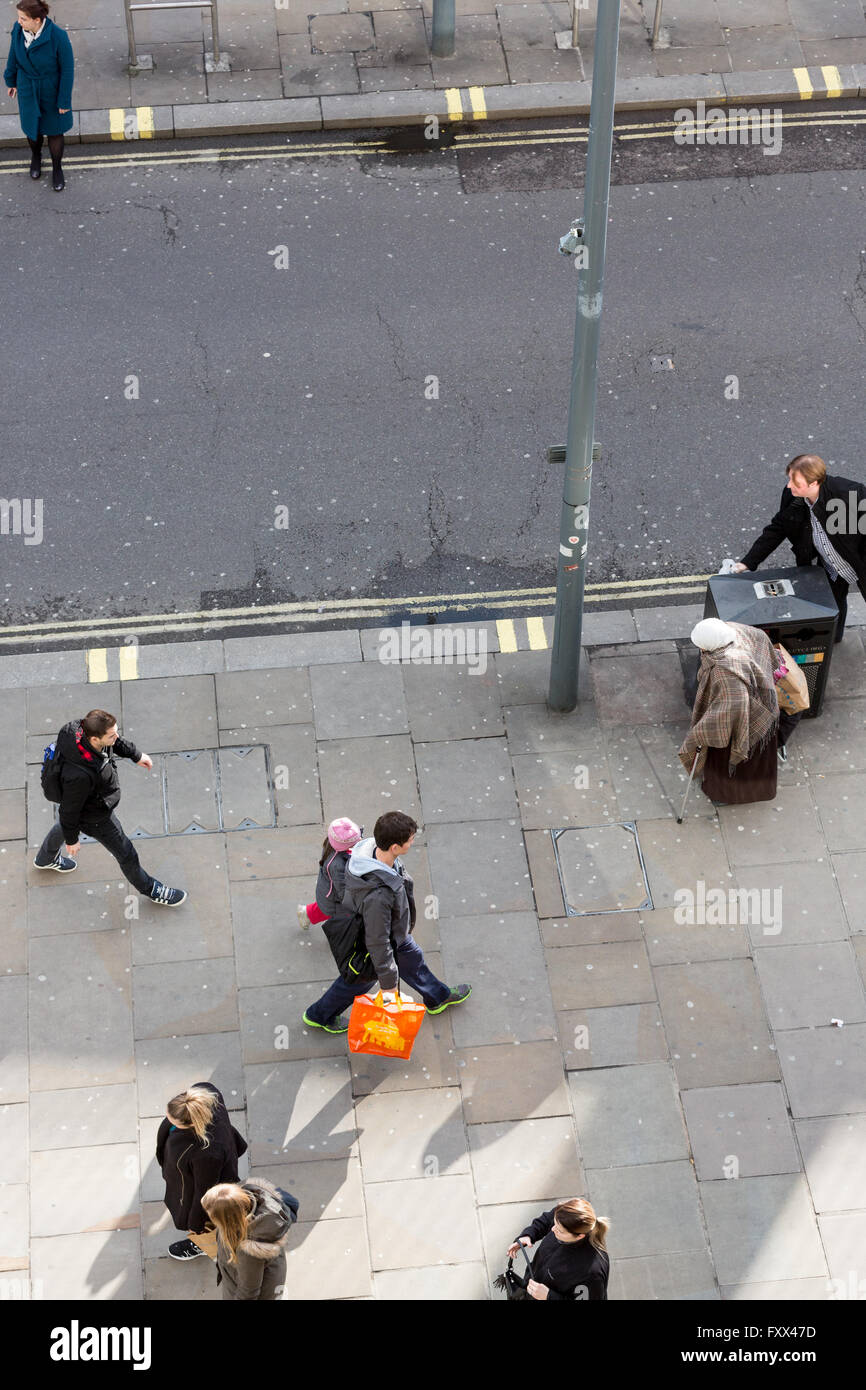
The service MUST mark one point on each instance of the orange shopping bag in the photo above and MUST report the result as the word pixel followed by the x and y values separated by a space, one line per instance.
pixel 387 1030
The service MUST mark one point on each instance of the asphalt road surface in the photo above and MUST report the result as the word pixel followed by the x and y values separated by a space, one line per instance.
pixel 208 430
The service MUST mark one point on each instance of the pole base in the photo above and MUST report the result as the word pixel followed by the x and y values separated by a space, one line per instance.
pixel 143 63
pixel 224 65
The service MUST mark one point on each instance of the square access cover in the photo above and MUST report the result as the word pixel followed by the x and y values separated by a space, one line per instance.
pixel 601 869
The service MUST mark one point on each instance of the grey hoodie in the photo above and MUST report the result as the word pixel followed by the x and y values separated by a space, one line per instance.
pixel 259 1268
pixel 386 901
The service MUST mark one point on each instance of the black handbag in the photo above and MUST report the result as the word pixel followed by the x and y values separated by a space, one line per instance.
pixel 513 1283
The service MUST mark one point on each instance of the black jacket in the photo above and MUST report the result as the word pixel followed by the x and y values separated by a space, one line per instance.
pixel 791 523
pixel 88 779
pixel 385 900
pixel 572 1271
pixel 189 1168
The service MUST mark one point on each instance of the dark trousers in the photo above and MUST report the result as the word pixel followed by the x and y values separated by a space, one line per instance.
pixel 840 594
pixel 414 972
pixel 107 831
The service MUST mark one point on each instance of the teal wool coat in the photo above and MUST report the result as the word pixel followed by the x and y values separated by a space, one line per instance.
pixel 43 75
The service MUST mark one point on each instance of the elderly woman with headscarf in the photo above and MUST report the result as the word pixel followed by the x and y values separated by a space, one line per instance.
pixel 736 714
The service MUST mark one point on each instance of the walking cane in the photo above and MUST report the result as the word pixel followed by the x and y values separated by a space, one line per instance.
pixel 688 788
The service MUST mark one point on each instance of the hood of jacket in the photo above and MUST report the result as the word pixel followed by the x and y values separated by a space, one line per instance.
pixel 362 866
pixel 73 747
pixel 268 1227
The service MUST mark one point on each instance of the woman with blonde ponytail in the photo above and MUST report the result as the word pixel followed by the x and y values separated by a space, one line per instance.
pixel 196 1147
pixel 571 1262
pixel 252 1221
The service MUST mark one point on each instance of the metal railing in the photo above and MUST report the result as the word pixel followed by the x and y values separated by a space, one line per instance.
pixel 578 5
pixel 172 5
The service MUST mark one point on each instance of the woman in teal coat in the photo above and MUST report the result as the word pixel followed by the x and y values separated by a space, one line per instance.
pixel 40 72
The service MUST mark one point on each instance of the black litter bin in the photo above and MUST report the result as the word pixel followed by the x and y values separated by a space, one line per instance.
pixel 793 606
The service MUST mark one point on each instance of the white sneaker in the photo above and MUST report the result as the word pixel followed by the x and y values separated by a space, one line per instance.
pixel 303 919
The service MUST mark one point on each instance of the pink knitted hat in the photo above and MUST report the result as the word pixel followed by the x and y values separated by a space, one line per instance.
pixel 343 833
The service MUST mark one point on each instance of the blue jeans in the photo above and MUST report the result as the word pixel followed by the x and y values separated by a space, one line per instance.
pixel 414 972
pixel 110 833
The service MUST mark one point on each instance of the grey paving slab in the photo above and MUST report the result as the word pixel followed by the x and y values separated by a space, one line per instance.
pixel 687 1276
pixel 600 869
pixel 653 1209
pixel 606 628
pixel 546 886
pixel 157 1231
pixel 300 1111
pixel 499 1226
pixel 501 957
pixel 788 1290
pixel 293 649
pixel 670 620
pixel 740 1131
pixel 466 780
pixel 49 707
pixel 80 1011
pixel 598 975
pixel 13 714
pixel 531 25
pixel 167 1280
pixel 478 868
pixel 533 728
pixel 328 1259
pixel 524 1160
pixel 14 1143
pixel 280 853
pixel 104 1179
pixel 715 1024
pixel 508 1082
pixel 358 700
pixel 438 1211
pixel 841 806
pixel 415 645
pixel 177 658
pixel 628 1115
pixel 834 1158
pixel 648 778
pixel 775 832
pixel 837 741
pixel 452 702
pixel 91 1266
pixel 199 999
pixel 824 1069
pixel 806 986
pixel 481 61
pixel 433 1061
pixel 762 1228
pixel 560 789
pixel 400 36
pixel 13 886
pixel 328 1189
pixel 167 1066
pixel 524 677
pixel 679 857
pixel 341 33
pixel 670 943
pixel 619 1036
pixel 43 668
pixel 598 926
pixel 844 1239
pixel 412 1134
pixel 202 927
pixel 831 19
pixel 769 84
pixel 259 699
pixel 809 903
pixel 13 1039
pixel 191 791
pixel 14 1214
pixel 817 52
pixel 245 786
pixel 291 760
pixel 269 947
pixel 169 715
pixel 364 777
pixel 83 1117
pixel 848 669
pixel 538 65
pixel 466 1283
pixel 638 689
pixel 272 1027
pixel 142 807
pixel 761 48
pixel 738 14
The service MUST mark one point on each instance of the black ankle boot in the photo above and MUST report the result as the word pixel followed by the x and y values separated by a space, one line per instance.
pixel 58 181
pixel 35 162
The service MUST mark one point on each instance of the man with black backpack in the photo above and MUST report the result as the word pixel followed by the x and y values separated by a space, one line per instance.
pixel 80 774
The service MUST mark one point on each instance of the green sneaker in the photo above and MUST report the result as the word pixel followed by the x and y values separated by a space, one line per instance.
pixel 333 1025
pixel 455 997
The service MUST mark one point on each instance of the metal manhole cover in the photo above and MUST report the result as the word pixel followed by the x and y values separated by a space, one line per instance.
pixel 601 869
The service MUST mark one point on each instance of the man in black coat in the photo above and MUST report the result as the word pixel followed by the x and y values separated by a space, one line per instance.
pixel 824 518
pixel 89 792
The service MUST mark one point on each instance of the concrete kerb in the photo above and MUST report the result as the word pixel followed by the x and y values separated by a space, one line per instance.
pixel 372 110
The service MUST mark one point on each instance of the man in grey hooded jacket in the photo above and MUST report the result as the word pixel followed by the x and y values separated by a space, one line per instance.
pixel 380 891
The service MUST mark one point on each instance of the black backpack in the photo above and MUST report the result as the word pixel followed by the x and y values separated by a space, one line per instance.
pixel 50 776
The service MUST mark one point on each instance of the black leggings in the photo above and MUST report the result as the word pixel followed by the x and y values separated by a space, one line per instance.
pixel 55 146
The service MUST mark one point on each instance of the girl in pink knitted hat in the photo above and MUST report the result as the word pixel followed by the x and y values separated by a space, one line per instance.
pixel 343 835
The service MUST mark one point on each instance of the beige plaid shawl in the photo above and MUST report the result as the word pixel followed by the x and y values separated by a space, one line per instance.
pixel 736 701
